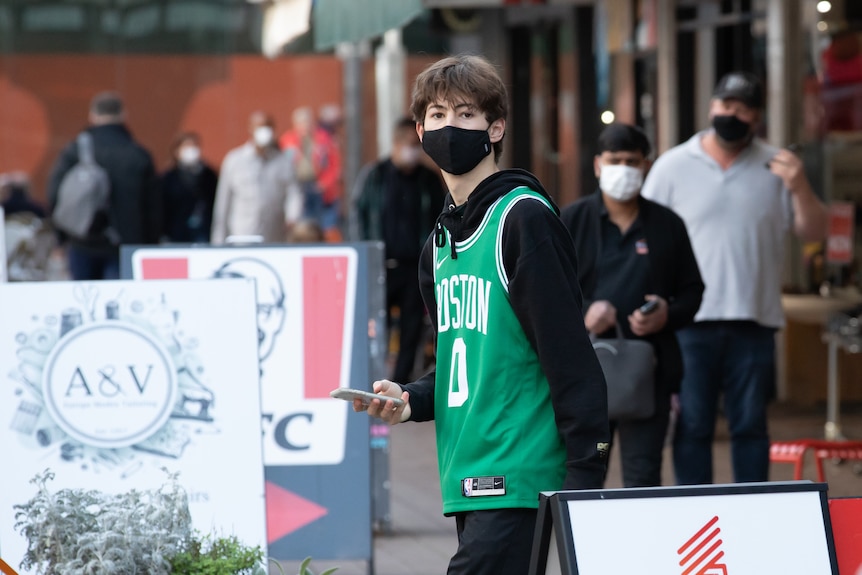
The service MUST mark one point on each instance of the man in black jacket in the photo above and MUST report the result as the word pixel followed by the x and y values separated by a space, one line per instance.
pixel 397 200
pixel 135 206
pixel 630 251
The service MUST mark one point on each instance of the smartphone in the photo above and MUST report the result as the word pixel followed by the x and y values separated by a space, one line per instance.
pixel 649 307
pixel 349 394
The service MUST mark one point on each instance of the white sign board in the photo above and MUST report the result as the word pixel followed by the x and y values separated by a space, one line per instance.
pixel 745 529
pixel 107 384
pixel 3 271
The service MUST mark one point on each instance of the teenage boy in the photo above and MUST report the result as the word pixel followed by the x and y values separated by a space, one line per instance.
pixel 518 396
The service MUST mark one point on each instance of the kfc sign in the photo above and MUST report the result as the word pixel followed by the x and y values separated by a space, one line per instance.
pixel 305 310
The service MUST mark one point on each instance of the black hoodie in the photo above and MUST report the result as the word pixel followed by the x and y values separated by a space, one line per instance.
pixel 539 258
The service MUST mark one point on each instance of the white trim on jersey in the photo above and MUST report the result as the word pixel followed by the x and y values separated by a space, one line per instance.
pixel 474 237
pixel 498 253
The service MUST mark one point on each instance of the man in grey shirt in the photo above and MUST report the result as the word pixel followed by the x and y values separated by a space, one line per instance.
pixel 258 194
pixel 738 197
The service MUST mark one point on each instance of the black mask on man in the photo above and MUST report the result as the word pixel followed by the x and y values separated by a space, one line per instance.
pixel 456 150
pixel 730 128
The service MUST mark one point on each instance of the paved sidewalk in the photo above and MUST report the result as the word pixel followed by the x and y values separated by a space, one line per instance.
pixel 422 540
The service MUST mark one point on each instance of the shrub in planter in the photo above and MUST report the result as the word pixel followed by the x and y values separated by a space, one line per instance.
pixel 88 532
pixel 210 555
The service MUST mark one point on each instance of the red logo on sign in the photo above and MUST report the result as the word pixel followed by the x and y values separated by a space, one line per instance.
pixel 701 553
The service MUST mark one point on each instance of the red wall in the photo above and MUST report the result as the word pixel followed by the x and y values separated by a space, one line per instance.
pixel 44 100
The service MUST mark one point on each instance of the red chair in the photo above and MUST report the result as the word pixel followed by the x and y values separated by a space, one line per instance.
pixel 794 452
pixel 790 452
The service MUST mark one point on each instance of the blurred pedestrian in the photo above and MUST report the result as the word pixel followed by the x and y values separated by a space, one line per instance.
pixel 257 194
pixel 317 159
pixel 396 200
pixel 518 397
pixel 306 232
pixel 632 251
pixel 134 214
pixel 330 118
pixel 739 197
pixel 188 192
pixel 15 196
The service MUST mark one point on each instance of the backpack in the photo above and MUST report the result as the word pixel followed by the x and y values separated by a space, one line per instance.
pixel 84 195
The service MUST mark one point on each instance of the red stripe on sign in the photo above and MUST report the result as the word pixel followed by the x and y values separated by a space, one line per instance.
pixel 325 293
pixel 165 268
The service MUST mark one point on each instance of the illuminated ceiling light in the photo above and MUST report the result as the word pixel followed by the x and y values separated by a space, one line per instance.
pixel 607 117
pixel 822 26
pixel 824 6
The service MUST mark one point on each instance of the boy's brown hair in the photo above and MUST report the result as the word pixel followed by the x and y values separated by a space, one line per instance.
pixel 459 79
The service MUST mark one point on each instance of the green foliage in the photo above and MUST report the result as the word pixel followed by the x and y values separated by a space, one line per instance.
pixel 217 556
pixel 304 568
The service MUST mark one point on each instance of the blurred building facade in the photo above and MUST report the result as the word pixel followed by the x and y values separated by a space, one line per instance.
pixel 570 64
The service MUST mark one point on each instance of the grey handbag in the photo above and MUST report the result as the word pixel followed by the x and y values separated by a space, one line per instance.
pixel 629 368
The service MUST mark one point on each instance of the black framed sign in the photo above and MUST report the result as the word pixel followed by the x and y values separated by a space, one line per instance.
pixel 735 529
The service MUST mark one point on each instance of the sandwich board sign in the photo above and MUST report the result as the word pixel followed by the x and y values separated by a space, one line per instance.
pixel 114 385
pixel 739 529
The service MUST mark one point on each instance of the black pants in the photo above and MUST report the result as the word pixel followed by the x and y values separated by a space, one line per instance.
pixel 641 443
pixel 92 265
pixel 402 290
pixel 494 542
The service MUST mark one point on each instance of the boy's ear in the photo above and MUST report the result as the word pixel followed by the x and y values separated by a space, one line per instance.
pixel 497 130
pixel 420 130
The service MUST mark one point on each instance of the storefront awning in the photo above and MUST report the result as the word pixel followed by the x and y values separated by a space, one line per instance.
pixel 337 21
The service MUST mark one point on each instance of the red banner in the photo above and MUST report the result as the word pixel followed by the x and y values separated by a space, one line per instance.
pixel 839 244
pixel 846 515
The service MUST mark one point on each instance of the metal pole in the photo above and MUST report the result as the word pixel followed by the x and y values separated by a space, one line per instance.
pixel 668 124
pixel 832 429
pixel 351 55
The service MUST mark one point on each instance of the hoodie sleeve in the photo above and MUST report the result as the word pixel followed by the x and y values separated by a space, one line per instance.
pixel 422 390
pixel 543 289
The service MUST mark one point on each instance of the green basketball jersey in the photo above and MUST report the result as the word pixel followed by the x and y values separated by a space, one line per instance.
pixel 497 439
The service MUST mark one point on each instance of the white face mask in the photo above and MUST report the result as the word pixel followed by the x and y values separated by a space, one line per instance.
pixel 189 155
pixel 262 136
pixel 621 182
pixel 408 156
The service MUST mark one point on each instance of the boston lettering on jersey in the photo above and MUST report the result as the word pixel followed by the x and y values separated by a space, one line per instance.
pixel 462 302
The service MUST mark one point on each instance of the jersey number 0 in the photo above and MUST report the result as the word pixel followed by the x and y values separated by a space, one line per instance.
pixel 459 389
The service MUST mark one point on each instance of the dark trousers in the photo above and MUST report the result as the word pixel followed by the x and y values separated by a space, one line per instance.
pixel 90 265
pixel 494 542
pixel 402 290
pixel 737 360
pixel 641 443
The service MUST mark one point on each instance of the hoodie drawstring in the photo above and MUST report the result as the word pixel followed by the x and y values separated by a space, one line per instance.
pixel 440 230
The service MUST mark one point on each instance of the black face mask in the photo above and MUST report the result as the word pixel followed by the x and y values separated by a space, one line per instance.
pixel 456 150
pixel 730 128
